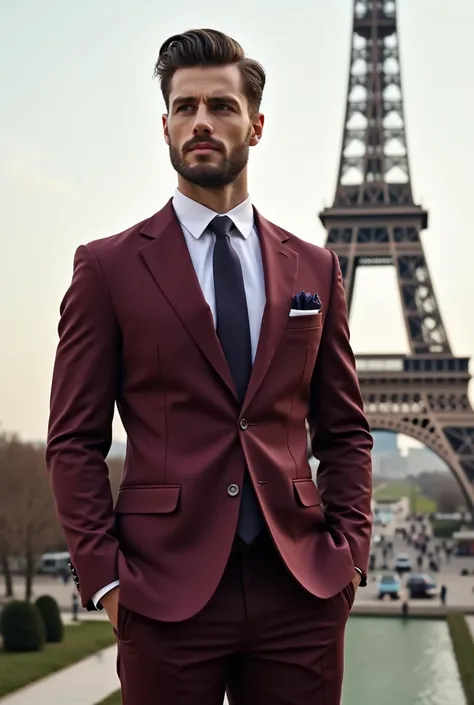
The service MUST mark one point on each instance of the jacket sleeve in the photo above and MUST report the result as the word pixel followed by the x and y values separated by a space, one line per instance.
pixel 341 438
pixel 84 388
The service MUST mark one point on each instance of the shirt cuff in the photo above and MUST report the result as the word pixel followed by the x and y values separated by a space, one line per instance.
pixel 363 579
pixel 96 598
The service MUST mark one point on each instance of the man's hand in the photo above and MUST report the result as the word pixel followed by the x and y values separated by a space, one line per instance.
pixel 110 604
pixel 356 579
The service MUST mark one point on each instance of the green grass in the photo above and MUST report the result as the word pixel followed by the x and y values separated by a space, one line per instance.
pixel 396 490
pixel 84 639
pixel 113 699
pixel 463 647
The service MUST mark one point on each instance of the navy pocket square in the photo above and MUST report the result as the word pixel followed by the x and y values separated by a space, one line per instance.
pixel 302 301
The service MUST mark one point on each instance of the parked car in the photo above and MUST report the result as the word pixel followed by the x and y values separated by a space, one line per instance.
pixel 421 585
pixel 54 563
pixel 403 563
pixel 388 584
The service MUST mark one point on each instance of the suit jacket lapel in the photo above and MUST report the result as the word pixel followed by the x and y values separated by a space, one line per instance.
pixel 167 257
pixel 280 265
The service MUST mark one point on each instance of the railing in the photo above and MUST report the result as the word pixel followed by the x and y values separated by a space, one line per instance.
pixel 413 364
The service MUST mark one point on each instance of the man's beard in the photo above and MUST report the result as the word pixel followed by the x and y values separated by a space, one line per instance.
pixel 212 176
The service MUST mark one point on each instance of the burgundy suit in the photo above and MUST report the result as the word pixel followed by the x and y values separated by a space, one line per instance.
pixel 136 330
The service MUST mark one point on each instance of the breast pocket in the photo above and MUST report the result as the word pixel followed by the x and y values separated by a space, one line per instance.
pixel 299 350
pixel 303 331
pixel 292 364
pixel 309 322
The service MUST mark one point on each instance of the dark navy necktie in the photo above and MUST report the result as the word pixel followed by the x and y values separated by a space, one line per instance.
pixel 232 327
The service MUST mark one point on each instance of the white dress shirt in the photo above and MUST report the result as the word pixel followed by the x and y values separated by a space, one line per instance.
pixel 194 219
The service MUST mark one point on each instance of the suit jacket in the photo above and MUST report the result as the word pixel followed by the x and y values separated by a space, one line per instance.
pixel 135 329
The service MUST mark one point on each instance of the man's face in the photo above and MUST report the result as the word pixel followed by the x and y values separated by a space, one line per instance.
pixel 208 127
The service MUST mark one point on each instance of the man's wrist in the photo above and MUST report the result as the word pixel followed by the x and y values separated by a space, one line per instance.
pixel 357 579
pixel 110 599
pixel 100 594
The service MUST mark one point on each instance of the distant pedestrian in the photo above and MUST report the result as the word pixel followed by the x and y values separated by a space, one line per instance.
pixel 443 593
pixel 405 609
pixel 404 601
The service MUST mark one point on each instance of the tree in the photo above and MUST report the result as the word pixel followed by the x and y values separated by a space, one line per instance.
pixel 28 520
pixel 443 488
pixel 5 516
pixel 27 512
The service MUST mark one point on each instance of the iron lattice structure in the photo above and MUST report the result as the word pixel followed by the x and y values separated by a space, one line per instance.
pixel 375 221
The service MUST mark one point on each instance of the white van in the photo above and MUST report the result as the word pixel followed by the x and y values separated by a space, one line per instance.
pixel 54 563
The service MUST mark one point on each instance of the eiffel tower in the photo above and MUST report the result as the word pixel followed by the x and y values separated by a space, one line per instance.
pixel 374 221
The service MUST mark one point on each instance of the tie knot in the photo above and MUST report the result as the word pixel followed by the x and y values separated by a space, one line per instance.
pixel 221 225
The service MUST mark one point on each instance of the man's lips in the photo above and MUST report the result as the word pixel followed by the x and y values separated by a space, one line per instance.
pixel 203 146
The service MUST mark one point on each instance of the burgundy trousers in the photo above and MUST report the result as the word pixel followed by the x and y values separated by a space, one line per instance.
pixel 262 638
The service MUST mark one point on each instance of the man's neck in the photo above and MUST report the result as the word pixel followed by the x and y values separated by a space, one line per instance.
pixel 220 200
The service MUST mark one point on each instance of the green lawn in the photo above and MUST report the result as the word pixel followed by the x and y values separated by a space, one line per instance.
pixel 396 490
pixel 114 699
pixel 84 639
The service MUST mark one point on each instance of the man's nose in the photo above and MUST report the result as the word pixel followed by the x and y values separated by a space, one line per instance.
pixel 203 124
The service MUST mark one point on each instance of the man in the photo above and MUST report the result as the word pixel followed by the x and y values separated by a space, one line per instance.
pixel 220 336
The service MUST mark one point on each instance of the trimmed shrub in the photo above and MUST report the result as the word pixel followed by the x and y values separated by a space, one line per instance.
pixel 463 647
pixel 51 616
pixel 21 627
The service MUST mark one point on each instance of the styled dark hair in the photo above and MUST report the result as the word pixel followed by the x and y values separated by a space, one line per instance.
pixel 208 47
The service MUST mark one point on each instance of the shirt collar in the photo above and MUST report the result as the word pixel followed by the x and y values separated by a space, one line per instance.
pixel 195 217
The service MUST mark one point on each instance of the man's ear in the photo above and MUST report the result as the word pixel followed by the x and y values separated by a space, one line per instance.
pixel 257 129
pixel 164 119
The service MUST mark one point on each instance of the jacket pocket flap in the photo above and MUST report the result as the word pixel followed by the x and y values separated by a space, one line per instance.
pixel 306 492
pixel 158 499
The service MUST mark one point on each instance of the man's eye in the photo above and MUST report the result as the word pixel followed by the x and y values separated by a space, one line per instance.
pixel 221 106
pixel 184 108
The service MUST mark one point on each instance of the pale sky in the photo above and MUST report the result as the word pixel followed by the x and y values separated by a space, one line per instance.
pixel 82 154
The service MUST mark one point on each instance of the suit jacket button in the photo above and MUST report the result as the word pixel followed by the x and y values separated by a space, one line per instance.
pixel 233 490
pixel 244 424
